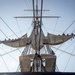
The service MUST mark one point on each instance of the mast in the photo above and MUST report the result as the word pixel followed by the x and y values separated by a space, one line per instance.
pixel 37 27
pixel 37 62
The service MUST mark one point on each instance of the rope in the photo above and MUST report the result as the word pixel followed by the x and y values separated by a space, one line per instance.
pixel 8 52
pixel 50 29
pixel 55 25
pixel 18 25
pixel 69 60
pixel 64 51
pixel 68 47
pixel 73 30
pixel 4 62
pixel 18 68
pixel 64 32
pixel 59 47
pixel 57 69
pixel 69 26
pixel 4 33
pixel 21 31
pixel 8 26
pixel 9 55
pixel 7 37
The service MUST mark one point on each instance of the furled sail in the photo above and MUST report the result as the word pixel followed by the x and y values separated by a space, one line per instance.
pixel 51 39
pixel 57 39
pixel 35 37
pixel 21 42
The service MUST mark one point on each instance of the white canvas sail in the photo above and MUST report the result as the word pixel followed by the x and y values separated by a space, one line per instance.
pixel 21 42
pixel 57 39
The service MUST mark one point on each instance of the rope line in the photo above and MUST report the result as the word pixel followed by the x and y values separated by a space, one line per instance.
pixel 68 47
pixel 18 25
pixel 74 30
pixel 21 31
pixel 8 26
pixel 64 51
pixel 63 32
pixel 4 33
pixel 4 62
pixel 9 52
pixel 55 25
pixel 9 55
pixel 51 29
pixel 69 59
pixel 69 26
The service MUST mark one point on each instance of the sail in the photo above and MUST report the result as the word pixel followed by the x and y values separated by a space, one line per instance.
pixel 57 39
pixel 37 39
pixel 20 42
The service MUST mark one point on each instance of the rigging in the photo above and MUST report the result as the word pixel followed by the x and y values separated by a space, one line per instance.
pixel 8 26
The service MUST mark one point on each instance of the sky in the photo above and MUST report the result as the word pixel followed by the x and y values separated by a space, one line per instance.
pixel 12 8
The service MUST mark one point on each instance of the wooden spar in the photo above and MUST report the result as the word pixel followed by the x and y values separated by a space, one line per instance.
pixel 38 17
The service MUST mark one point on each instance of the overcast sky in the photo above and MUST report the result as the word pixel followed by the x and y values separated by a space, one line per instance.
pixel 12 8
